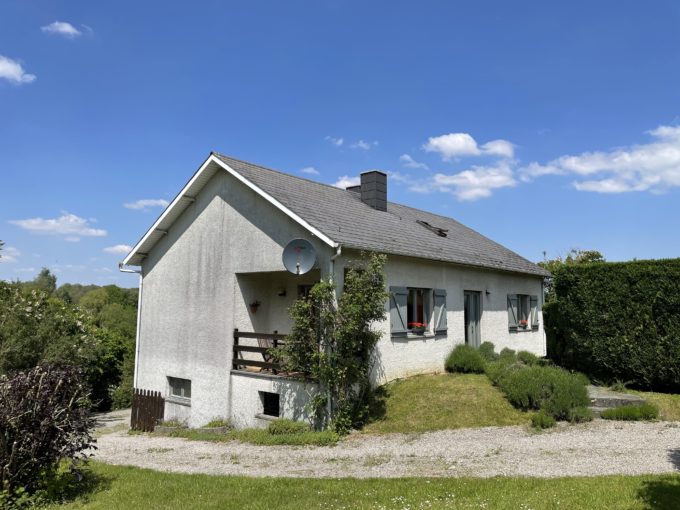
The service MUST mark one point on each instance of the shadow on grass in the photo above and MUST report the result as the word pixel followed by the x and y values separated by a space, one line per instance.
pixel 68 486
pixel 377 407
pixel 663 493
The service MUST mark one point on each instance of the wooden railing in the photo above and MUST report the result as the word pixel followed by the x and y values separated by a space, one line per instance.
pixel 266 342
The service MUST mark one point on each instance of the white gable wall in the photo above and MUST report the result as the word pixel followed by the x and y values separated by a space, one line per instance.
pixel 190 292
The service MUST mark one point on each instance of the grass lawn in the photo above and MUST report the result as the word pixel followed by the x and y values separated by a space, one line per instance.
pixel 445 401
pixel 125 488
pixel 668 404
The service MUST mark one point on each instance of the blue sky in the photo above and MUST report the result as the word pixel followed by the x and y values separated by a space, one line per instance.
pixel 544 126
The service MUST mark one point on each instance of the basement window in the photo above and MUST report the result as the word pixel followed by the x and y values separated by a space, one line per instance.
pixel 441 232
pixel 270 404
pixel 180 388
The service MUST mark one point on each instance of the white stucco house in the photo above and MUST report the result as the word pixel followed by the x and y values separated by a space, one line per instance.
pixel 211 264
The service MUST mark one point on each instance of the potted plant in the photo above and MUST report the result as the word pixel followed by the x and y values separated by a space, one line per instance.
pixel 254 306
pixel 417 328
pixel 523 324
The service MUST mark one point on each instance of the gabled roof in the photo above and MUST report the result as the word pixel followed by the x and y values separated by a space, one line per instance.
pixel 338 216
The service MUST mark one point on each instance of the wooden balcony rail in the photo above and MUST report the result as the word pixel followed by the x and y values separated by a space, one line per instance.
pixel 265 343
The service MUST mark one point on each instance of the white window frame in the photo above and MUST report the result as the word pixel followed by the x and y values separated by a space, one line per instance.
pixel 428 306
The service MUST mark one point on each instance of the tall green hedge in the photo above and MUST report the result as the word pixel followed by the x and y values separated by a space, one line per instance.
pixel 618 321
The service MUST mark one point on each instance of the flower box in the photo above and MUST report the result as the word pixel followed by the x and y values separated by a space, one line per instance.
pixel 417 328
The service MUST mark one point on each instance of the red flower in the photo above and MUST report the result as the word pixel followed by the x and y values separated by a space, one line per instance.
pixel 523 322
pixel 417 325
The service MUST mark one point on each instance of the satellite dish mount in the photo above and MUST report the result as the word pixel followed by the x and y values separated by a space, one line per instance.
pixel 299 256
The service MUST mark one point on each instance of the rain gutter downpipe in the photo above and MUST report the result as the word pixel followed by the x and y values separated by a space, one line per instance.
pixel 123 269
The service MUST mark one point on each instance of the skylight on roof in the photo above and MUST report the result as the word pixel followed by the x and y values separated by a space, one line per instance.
pixel 441 232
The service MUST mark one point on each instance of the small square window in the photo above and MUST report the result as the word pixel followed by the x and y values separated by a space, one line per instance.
pixel 179 387
pixel 270 403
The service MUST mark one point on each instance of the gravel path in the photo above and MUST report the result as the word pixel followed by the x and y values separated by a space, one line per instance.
pixel 597 448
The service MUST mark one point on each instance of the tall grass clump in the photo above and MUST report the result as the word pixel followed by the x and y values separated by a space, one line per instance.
pixel 632 413
pixel 465 359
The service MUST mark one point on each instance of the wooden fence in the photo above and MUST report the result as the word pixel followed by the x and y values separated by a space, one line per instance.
pixel 266 342
pixel 147 409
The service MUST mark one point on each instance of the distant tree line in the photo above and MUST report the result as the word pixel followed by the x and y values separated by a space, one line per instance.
pixel 89 326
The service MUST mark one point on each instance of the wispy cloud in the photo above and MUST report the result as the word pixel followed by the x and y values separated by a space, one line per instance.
pixel 407 161
pixel 63 29
pixel 346 181
pixel 471 184
pixel 309 170
pixel 456 145
pixel 146 204
pixel 364 145
pixel 653 167
pixel 118 249
pixel 335 141
pixel 13 72
pixel 67 225
pixel 9 254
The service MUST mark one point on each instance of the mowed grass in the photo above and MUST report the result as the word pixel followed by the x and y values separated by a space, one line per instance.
pixel 668 404
pixel 446 401
pixel 125 488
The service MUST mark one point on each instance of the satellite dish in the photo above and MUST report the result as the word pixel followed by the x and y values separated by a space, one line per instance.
pixel 299 256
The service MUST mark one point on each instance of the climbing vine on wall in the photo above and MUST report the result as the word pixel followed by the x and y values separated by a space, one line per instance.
pixel 332 341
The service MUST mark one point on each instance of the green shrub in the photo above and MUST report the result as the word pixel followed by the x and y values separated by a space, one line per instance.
pixel 284 426
pixel 217 423
pixel 507 355
pixel 465 359
pixel 618 321
pixel 527 358
pixel 580 415
pixel 541 420
pixel 552 390
pixel 488 351
pixel 632 413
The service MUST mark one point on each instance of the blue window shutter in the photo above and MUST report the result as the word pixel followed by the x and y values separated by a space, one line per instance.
pixel 398 317
pixel 439 317
pixel 534 312
pixel 512 312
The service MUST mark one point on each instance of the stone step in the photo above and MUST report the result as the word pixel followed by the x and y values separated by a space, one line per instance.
pixel 603 398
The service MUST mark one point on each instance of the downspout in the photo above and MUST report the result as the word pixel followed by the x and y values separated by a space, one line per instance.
pixel 124 269
pixel 329 401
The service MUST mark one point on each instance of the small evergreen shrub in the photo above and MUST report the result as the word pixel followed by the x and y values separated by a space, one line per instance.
pixel 580 415
pixel 541 421
pixel 488 351
pixel 631 413
pixel 507 355
pixel 283 426
pixel 552 390
pixel 465 359
pixel 527 358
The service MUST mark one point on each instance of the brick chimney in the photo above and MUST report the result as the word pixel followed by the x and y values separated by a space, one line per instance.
pixel 374 189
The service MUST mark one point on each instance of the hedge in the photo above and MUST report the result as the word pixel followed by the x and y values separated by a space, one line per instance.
pixel 618 321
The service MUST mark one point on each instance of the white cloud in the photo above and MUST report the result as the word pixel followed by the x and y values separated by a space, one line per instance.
pixel 68 225
pixel 472 184
pixel 13 72
pixel 118 249
pixel 63 29
pixel 346 181
pixel 146 204
pixel 310 170
pixel 9 254
pixel 653 167
pixel 409 162
pixel 361 144
pixel 335 141
pixel 501 148
pixel 455 145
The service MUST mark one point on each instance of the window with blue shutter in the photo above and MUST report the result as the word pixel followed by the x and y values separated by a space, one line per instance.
pixel 439 318
pixel 512 311
pixel 398 313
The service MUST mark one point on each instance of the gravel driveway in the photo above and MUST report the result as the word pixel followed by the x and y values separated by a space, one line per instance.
pixel 597 448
